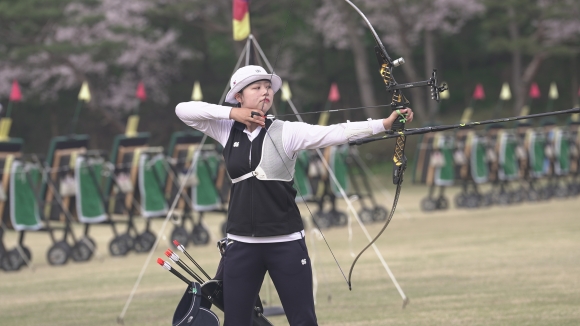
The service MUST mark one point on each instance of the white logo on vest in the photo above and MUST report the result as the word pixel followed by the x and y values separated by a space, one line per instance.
pixel 303 261
pixel 237 144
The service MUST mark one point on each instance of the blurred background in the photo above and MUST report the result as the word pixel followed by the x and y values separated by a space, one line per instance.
pixel 115 70
pixel 50 47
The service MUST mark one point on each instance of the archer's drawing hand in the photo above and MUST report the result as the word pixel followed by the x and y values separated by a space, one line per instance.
pixel 244 115
pixel 388 122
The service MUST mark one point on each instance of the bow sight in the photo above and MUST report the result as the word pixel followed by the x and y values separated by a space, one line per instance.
pixel 399 101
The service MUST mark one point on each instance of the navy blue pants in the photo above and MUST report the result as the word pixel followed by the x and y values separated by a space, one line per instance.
pixel 245 265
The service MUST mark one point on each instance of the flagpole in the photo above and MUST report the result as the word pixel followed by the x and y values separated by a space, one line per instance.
pixel 6 122
pixel 76 117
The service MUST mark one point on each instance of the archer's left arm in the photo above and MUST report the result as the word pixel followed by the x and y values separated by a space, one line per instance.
pixel 298 136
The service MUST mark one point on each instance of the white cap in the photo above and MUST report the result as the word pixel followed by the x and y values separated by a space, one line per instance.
pixel 247 75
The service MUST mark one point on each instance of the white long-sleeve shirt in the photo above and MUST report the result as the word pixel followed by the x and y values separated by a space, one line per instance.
pixel 214 121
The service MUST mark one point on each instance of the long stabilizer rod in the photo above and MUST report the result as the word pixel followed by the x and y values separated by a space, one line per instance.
pixel 425 130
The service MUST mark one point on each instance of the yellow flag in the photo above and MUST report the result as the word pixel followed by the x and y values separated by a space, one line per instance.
pixel 466 117
pixel 286 93
pixel 85 93
pixel 323 119
pixel 196 95
pixel 132 124
pixel 525 110
pixel 5 124
pixel 553 93
pixel 505 94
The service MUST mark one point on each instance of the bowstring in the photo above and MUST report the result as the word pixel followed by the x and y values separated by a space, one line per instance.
pixel 395 201
pixel 286 167
pixel 328 111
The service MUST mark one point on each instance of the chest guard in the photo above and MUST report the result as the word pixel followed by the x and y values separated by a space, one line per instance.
pixel 274 164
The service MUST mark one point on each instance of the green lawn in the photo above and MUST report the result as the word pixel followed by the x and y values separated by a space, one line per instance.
pixel 517 265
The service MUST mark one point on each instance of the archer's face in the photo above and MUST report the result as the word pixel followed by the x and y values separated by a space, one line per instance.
pixel 257 96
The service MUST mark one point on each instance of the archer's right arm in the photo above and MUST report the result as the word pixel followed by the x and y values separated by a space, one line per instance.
pixel 213 120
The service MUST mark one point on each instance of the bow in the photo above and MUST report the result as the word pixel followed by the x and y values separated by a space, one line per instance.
pixel 398 102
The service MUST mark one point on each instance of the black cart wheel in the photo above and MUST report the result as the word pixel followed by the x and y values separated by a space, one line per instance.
pixel 561 191
pixel 119 245
pixel 428 204
pixel 129 241
pixel 442 203
pixel 58 254
pixel 518 196
pixel 572 189
pixel 472 201
pixel 486 200
pixel 91 242
pixel 8 261
pixel 338 218
pixel 545 193
pixel 380 214
pixel 4 262
pixel 366 215
pixel 27 255
pixel 82 250
pixel 199 235
pixel 504 198
pixel 321 220
pixel 144 241
pixel 460 199
pixel 12 260
pixel 179 233
pixel 533 195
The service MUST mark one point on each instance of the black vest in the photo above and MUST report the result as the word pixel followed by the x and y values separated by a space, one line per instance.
pixel 257 208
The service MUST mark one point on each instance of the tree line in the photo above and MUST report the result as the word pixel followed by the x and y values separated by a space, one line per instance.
pixel 52 46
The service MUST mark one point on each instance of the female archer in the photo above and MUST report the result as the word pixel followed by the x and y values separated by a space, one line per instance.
pixel 264 226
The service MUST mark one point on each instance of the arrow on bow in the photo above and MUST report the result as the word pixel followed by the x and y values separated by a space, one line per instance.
pixel 418 131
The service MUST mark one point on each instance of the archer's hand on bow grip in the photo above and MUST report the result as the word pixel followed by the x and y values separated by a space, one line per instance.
pixel 399 158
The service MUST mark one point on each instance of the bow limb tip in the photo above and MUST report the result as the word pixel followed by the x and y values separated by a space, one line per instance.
pixel 405 302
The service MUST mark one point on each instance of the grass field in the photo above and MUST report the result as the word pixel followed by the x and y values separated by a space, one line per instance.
pixel 517 265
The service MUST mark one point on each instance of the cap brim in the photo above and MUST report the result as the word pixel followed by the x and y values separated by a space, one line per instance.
pixel 274 79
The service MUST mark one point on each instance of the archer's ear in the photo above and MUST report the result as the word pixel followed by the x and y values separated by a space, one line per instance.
pixel 238 97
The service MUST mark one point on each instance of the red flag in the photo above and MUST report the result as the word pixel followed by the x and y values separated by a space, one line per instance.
pixel 534 91
pixel 478 93
pixel 15 94
pixel 333 94
pixel 140 93
pixel 241 19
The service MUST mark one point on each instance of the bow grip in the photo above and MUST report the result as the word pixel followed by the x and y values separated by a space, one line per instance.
pixel 399 159
pixel 398 124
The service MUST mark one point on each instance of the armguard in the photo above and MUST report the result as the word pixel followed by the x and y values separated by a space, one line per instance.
pixel 353 133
